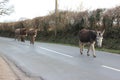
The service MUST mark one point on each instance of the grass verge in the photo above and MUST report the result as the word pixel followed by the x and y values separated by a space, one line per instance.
pixel 99 49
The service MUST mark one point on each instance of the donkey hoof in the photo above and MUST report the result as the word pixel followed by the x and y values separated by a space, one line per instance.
pixel 94 56
pixel 88 54
pixel 81 53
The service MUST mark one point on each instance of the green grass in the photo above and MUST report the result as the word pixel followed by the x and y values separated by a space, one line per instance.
pixel 109 50
pixel 99 49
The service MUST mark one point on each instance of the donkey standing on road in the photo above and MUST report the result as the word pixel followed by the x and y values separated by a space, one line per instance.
pixel 90 36
pixel 20 34
pixel 32 33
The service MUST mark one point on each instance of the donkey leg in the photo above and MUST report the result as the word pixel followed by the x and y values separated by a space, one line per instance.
pixel 30 40
pixel 81 47
pixel 93 49
pixel 88 50
pixel 15 37
pixel 18 37
pixel 22 38
pixel 33 39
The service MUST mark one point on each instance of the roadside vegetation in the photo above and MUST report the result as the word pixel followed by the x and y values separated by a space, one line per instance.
pixel 68 25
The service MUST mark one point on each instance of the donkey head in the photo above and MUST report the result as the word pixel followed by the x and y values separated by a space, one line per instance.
pixel 99 38
pixel 32 32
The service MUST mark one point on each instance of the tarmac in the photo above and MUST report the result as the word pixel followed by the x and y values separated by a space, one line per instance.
pixel 9 71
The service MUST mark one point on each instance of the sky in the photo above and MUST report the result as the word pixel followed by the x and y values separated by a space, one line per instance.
pixel 34 8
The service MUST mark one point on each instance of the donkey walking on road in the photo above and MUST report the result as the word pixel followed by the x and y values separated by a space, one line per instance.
pixel 20 34
pixel 32 33
pixel 90 36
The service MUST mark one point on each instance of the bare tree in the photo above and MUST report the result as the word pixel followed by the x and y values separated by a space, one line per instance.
pixel 5 8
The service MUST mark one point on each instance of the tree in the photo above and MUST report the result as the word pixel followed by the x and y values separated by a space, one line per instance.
pixel 117 16
pixel 5 9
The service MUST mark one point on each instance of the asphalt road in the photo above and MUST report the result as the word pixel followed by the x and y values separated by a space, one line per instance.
pixel 60 62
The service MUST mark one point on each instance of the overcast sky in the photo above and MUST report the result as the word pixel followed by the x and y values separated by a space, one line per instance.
pixel 34 8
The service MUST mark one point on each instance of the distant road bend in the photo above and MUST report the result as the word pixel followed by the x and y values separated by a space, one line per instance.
pixel 60 62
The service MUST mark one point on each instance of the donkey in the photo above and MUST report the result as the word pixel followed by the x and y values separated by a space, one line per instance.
pixel 90 36
pixel 20 34
pixel 32 33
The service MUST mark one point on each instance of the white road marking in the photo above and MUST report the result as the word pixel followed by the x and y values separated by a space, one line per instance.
pixel 56 52
pixel 111 68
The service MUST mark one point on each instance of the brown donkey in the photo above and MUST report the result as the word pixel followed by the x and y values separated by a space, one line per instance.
pixel 32 33
pixel 90 36
pixel 20 34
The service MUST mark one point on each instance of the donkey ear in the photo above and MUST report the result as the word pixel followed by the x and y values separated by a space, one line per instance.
pixel 103 32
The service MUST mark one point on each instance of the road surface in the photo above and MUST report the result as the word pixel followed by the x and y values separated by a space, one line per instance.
pixel 60 62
